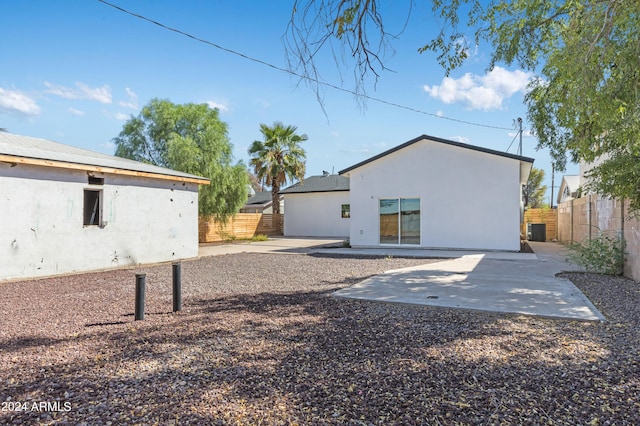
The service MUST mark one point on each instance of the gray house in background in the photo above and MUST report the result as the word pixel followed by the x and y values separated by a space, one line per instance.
pixel 318 206
pixel 261 202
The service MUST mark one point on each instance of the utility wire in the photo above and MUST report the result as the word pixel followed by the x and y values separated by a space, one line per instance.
pixel 514 138
pixel 304 77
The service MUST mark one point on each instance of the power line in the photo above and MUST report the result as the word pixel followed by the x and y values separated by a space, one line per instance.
pixel 304 77
pixel 519 133
pixel 514 138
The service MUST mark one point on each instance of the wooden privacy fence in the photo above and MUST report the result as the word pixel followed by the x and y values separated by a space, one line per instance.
pixel 240 226
pixel 547 216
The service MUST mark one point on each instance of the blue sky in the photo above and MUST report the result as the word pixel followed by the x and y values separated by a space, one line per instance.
pixel 75 71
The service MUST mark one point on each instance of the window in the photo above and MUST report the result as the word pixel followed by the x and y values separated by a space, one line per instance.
pixel 346 211
pixel 400 221
pixel 92 207
pixel 93 180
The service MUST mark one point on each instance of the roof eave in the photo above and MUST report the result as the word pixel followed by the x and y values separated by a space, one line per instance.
pixel 435 139
pixel 99 169
pixel 310 192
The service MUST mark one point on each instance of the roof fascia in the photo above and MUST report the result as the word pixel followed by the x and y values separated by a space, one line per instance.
pixel 98 169
pixel 310 192
pixel 440 140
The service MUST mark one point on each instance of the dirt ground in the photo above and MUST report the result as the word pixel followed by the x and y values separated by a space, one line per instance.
pixel 261 341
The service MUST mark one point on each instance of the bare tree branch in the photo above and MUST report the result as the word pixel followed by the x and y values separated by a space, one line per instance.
pixel 357 26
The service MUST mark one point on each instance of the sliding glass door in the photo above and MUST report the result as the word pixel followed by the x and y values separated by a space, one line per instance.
pixel 399 221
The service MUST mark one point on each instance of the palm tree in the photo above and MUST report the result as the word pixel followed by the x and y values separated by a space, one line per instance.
pixel 278 157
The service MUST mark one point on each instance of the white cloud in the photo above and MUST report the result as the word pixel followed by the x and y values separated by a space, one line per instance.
pixel 76 112
pixel 219 106
pixel 122 116
pixel 525 134
pixel 63 92
pixel 360 150
pixel 486 92
pixel 461 139
pixel 82 91
pixel 133 100
pixel 464 44
pixel 18 102
pixel 100 94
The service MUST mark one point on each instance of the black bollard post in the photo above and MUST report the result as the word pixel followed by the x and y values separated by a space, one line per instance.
pixel 140 283
pixel 177 287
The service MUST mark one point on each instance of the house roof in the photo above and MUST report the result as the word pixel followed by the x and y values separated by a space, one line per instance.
pixel 572 182
pixel 323 183
pixel 440 140
pixel 41 152
pixel 261 197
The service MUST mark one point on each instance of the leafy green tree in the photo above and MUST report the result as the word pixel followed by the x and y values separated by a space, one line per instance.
pixel 585 101
pixel 534 191
pixel 190 138
pixel 278 157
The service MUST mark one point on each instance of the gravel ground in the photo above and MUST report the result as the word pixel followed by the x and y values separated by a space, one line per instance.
pixel 260 341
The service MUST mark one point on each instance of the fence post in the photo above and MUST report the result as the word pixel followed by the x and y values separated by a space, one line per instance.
pixel 571 219
pixel 177 287
pixel 140 284
pixel 589 198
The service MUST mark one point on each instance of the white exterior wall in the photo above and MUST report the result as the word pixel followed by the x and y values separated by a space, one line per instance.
pixel 42 232
pixel 468 199
pixel 316 214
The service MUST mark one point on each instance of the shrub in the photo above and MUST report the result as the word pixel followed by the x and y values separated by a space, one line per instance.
pixel 259 237
pixel 603 255
pixel 226 236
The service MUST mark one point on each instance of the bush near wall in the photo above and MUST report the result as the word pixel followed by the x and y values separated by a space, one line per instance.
pixel 589 217
pixel 241 226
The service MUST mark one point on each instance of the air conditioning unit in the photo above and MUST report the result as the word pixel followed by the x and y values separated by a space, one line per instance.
pixel 537 232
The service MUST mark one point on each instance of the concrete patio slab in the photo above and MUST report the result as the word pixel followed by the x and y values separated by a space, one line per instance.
pixel 489 282
pixel 520 283
pixel 281 245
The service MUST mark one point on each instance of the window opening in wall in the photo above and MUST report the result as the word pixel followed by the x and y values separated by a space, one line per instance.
pixel 96 180
pixel 92 207
pixel 346 210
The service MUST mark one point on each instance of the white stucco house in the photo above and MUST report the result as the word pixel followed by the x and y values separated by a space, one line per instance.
pixel 317 206
pixel 66 209
pixel 436 193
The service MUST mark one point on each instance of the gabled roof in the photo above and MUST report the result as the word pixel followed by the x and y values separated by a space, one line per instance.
pixel 440 140
pixel 571 183
pixel 324 183
pixel 41 152
pixel 261 197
